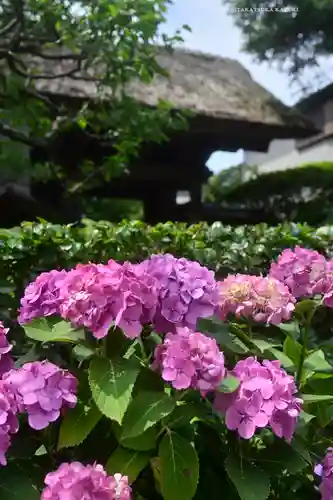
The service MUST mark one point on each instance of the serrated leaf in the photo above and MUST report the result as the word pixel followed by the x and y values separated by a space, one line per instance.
pixel 316 362
pixel 146 409
pixel 82 353
pixel 284 360
pixel 229 384
pixel 127 462
pixel 144 442
pixel 77 424
pixel 292 349
pixel 184 413
pixel 250 482
pixel 280 457
pixel 291 329
pixel 179 468
pixel 111 383
pixel 16 484
pixel 316 398
pixel 219 330
pixel 44 330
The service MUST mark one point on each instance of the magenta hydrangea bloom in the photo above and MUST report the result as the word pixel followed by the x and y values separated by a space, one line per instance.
pixel 190 359
pixel 75 481
pixel 302 270
pixel 98 296
pixel 42 296
pixel 263 299
pixel 6 360
pixel 42 389
pixel 325 471
pixel 188 291
pixel 8 420
pixel 266 396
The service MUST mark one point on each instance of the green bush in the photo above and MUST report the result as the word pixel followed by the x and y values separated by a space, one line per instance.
pixel 31 249
pixel 162 410
pixel 301 194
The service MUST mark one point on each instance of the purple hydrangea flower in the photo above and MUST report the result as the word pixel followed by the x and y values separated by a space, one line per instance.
pixel 266 396
pixel 190 359
pixel 6 360
pixel 263 299
pixel 75 481
pixel 325 471
pixel 187 292
pixel 302 270
pixel 98 296
pixel 42 390
pixel 42 296
pixel 8 420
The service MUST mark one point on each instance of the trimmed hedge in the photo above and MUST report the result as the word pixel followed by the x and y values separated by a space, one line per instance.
pixel 32 248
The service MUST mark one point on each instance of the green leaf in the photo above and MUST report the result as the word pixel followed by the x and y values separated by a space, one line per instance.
pixel 179 468
pixel 185 413
pixel 280 457
pixel 77 424
pixel 144 442
pixel 316 398
pixel 43 330
pixel 304 418
pixel 250 482
pixel 292 349
pixel 291 329
pixel 128 463
pixel 111 384
pixel 219 330
pixel 229 384
pixel 145 410
pixel 16 484
pixel 285 361
pixel 305 308
pixel 316 362
pixel 82 353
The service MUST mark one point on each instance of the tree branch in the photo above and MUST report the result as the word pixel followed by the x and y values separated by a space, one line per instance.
pixel 17 136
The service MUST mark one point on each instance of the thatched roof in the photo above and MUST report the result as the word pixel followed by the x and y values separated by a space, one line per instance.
pixel 211 86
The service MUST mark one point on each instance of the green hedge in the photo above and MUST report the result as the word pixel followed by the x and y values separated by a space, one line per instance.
pixel 32 248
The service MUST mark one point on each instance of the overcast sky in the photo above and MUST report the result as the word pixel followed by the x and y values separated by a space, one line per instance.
pixel 213 31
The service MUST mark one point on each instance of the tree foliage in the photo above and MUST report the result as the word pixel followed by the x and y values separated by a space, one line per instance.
pixel 100 43
pixel 294 34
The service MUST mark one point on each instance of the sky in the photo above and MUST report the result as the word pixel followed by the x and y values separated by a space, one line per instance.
pixel 213 32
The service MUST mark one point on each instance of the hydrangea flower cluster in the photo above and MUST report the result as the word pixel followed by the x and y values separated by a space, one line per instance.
pixel 263 299
pixel 187 291
pixel 42 389
pixel 8 420
pixel 75 481
pixel 266 396
pixel 325 471
pixel 42 296
pixel 6 361
pixel 190 359
pixel 304 271
pixel 97 296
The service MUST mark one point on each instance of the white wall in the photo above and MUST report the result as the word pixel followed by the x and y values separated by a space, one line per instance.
pixel 277 148
pixel 322 151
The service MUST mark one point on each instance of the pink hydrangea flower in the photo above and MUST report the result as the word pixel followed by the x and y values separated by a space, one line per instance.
pixel 41 297
pixel 75 481
pixel 266 396
pixel 8 420
pixel 263 299
pixel 98 296
pixel 325 471
pixel 190 359
pixel 6 360
pixel 301 270
pixel 42 390
pixel 187 292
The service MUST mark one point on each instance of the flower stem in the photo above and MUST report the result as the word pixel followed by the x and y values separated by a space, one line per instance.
pixel 305 338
